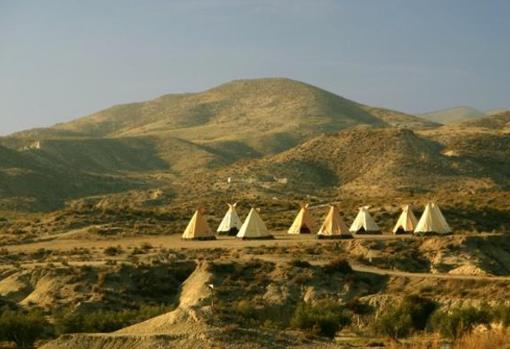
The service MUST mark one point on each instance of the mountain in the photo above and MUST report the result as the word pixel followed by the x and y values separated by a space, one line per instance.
pixel 452 115
pixel 258 117
pixel 264 131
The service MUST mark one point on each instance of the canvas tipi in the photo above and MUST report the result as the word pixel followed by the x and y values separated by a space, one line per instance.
pixel 303 223
pixel 197 228
pixel 406 222
pixel 230 223
pixel 439 214
pixel 432 221
pixel 364 223
pixel 334 226
pixel 253 227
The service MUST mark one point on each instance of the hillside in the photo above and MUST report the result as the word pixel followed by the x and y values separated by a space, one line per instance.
pixel 370 161
pixel 27 182
pixel 452 115
pixel 496 122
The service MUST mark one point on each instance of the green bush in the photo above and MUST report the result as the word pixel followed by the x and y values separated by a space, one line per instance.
pixel 113 251
pixel 502 314
pixel 410 316
pixel 104 320
pixel 23 328
pixel 299 263
pixel 245 309
pixel 394 323
pixel 459 321
pixel 339 265
pixel 324 318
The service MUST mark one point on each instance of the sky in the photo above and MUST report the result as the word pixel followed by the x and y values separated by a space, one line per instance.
pixel 61 59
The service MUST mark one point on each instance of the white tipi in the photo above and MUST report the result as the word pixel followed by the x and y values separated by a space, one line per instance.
pixel 303 223
pixel 230 224
pixel 432 221
pixel 334 226
pixel 253 227
pixel 197 228
pixel 439 214
pixel 364 223
pixel 406 222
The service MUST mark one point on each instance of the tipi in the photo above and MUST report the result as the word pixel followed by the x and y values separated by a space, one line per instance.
pixel 197 228
pixel 432 221
pixel 364 223
pixel 406 222
pixel 303 223
pixel 439 214
pixel 334 226
pixel 253 227
pixel 230 223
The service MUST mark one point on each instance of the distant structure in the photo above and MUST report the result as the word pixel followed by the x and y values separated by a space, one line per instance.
pixel 253 227
pixel 197 228
pixel 303 223
pixel 231 223
pixel 364 223
pixel 406 222
pixel 432 221
pixel 334 226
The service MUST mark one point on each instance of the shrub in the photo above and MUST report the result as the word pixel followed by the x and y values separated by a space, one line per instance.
pixel 113 250
pixel 459 321
pixel 23 328
pixel 299 263
pixel 411 315
pixel 338 265
pixel 324 318
pixel 394 323
pixel 104 320
pixel 246 309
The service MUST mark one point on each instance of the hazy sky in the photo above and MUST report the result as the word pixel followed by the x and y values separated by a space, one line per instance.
pixel 64 59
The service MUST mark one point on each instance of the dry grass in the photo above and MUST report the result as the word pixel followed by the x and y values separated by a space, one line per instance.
pixel 496 338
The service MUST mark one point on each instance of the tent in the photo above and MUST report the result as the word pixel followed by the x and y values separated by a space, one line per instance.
pixel 230 224
pixel 197 228
pixel 334 226
pixel 406 222
pixel 303 223
pixel 364 223
pixel 253 227
pixel 439 214
pixel 432 221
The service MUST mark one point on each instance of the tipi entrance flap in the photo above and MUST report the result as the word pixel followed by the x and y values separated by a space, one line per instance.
pixel 364 222
pixel 231 221
pixel 407 221
pixel 303 223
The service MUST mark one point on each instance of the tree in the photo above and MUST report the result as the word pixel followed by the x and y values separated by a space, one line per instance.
pixel 23 328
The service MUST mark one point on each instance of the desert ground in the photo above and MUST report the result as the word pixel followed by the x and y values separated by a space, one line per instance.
pixel 257 285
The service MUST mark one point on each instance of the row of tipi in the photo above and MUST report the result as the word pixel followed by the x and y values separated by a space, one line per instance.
pixel 431 221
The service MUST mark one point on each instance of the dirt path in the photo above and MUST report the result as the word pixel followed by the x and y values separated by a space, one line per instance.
pixel 175 242
pixel 380 271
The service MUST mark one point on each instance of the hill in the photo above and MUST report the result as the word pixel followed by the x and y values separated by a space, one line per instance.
pixel 176 136
pixel 258 117
pixel 375 162
pixel 452 115
pixel 28 182
pixel 496 122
